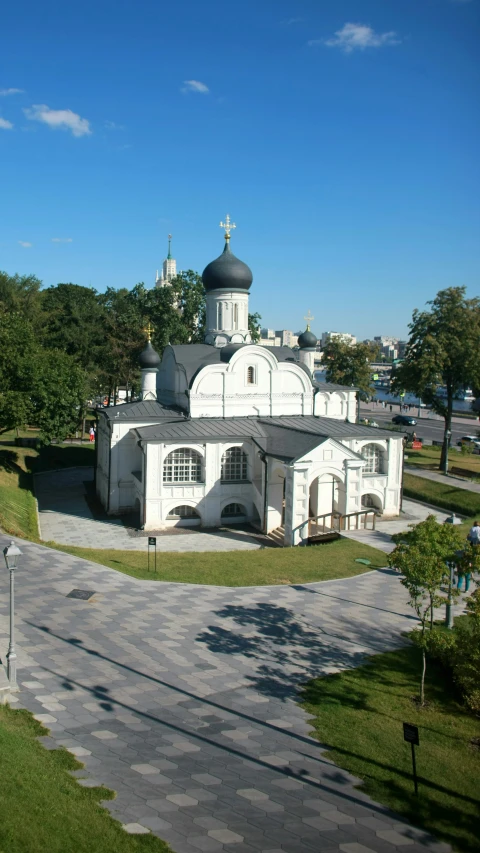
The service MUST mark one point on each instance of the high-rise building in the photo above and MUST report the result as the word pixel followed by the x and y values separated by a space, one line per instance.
pixel 169 268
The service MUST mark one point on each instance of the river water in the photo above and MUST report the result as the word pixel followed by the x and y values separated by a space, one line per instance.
pixel 382 394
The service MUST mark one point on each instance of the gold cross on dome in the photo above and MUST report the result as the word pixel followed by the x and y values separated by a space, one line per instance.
pixel 228 226
pixel 309 319
pixel 148 331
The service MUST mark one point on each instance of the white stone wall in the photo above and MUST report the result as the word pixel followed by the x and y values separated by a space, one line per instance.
pixel 341 405
pixel 224 390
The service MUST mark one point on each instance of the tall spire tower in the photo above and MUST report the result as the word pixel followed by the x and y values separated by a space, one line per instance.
pixel 169 268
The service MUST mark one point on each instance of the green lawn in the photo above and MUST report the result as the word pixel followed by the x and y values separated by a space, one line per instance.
pixel 42 807
pixel 242 568
pixel 429 457
pixel 372 702
pixel 17 465
pixel 442 495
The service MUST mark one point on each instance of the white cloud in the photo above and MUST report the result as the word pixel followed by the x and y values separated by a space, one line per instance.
pixel 62 240
pixel 4 92
pixel 357 37
pixel 195 86
pixel 289 22
pixel 5 125
pixel 111 125
pixel 25 244
pixel 59 119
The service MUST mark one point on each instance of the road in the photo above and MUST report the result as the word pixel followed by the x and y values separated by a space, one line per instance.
pixel 426 428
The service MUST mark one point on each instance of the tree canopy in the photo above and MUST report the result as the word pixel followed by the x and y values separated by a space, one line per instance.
pixel 442 353
pixel 67 343
pixel 349 364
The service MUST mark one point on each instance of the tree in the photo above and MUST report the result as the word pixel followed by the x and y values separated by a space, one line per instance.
pixel 421 555
pixel 58 398
pixel 73 321
pixel 443 350
pixel 123 339
pixel 349 364
pixel 20 294
pixel 38 386
pixel 254 326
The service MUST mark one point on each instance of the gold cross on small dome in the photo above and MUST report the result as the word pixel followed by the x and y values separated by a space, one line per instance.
pixel 228 226
pixel 309 319
pixel 148 331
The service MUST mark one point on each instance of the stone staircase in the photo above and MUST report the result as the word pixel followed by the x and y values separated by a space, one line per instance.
pixel 278 536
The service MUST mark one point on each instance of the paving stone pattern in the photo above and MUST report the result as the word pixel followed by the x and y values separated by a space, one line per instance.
pixel 182 699
pixel 66 516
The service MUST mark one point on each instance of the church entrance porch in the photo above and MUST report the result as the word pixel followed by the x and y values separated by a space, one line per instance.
pixel 327 499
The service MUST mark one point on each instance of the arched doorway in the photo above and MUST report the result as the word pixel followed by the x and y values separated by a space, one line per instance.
pixel 327 495
pixel 234 513
pixel 370 501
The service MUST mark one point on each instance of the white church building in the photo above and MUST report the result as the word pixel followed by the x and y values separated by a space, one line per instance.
pixel 229 432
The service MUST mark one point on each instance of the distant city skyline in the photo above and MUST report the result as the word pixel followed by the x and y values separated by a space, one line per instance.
pixel 341 140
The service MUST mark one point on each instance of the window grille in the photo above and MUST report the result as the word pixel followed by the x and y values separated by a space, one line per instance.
pixel 183 512
pixel 234 464
pixel 250 376
pixel 373 456
pixel 232 510
pixel 182 466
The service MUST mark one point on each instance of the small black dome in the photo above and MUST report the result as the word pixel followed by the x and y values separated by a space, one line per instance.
pixel 307 340
pixel 227 271
pixel 148 357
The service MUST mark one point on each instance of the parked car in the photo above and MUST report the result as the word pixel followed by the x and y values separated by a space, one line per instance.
pixel 404 420
pixel 471 441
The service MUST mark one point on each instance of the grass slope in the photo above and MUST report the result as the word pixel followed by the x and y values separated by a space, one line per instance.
pixel 372 702
pixel 442 495
pixel 43 809
pixel 242 568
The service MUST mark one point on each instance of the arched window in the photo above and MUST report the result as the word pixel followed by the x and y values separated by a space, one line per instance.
pixel 373 455
pixel 182 466
pixel 235 316
pixel 250 375
pixel 183 512
pixel 219 316
pixel 233 510
pixel 234 464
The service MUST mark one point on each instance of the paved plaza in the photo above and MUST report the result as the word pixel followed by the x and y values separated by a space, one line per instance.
pixel 182 699
pixel 67 515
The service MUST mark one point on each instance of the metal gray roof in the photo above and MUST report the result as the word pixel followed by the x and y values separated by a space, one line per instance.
pixel 140 410
pixel 286 438
pixel 192 357
pixel 332 386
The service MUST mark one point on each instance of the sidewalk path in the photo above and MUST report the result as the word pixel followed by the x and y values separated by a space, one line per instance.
pixel 381 537
pixel 450 480
pixel 182 699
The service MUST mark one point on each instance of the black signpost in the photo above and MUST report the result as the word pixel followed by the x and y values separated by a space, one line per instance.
pixel 410 734
pixel 152 540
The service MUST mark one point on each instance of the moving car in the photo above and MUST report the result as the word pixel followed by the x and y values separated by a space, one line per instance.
pixel 404 420
pixel 470 441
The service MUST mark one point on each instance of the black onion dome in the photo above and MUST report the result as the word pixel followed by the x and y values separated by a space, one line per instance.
pixel 148 357
pixel 307 340
pixel 227 272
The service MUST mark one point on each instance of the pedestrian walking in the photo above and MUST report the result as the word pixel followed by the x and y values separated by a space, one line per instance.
pixel 474 534
pixel 91 433
pixel 391 408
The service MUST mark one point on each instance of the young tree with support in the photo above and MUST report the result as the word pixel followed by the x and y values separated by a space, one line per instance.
pixel 422 555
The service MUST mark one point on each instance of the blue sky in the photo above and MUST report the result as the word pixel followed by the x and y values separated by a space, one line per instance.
pixel 341 136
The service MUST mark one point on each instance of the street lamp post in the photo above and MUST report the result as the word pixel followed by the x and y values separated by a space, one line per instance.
pixel 11 554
